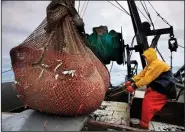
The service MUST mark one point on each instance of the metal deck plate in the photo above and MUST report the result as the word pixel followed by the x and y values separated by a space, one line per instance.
pixel 5 115
pixel 31 120
pixel 113 112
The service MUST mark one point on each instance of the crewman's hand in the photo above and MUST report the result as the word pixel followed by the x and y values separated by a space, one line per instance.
pixel 129 89
pixel 128 83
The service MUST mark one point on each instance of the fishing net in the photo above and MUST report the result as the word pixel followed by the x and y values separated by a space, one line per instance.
pixel 106 46
pixel 54 70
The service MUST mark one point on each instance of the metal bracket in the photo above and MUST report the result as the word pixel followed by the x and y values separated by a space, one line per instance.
pixel 154 41
pixel 161 31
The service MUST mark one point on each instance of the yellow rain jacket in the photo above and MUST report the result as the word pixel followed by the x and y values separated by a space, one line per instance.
pixel 153 69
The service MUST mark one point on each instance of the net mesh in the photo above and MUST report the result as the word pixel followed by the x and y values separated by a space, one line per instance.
pixel 54 70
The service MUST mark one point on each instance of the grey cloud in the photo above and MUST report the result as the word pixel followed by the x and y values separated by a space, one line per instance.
pixel 23 14
pixel 179 33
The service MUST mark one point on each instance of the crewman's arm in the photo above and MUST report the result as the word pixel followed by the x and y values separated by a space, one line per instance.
pixel 140 75
pixel 152 72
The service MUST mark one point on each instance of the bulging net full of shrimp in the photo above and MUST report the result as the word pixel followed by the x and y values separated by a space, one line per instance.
pixel 55 72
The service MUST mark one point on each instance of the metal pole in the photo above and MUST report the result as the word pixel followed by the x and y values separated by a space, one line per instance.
pixel 129 74
pixel 141 37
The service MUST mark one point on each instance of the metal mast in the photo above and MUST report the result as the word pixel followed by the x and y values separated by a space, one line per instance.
pixel 141 37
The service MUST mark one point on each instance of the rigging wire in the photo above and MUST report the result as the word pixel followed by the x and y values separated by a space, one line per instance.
pixel 148 14
pixel 123 8
pixel 180 46
pixel 116 6
pixel 160 54
pixel 143 14
pixel 82 8
pixel 127 12
pixel 145 6
pixel 124 11
pixel 159 14
pixel 7 71
pixel 85 9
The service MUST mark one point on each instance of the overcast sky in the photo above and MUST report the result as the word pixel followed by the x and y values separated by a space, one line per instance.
pixel 20 18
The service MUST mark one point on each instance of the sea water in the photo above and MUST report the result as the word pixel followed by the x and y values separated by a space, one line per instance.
pixel 117 76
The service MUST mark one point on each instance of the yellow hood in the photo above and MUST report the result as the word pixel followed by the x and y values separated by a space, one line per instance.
pixel 150 55
pixel 153 69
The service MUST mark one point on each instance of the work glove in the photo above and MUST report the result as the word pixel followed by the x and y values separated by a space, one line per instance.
pixel 131 88
pixel 129 82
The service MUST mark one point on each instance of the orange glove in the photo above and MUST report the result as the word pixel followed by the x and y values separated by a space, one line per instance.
pixel 128 83
pixel 130 89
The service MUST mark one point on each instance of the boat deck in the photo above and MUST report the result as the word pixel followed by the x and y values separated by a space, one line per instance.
pixel 110 112
pixel 117 113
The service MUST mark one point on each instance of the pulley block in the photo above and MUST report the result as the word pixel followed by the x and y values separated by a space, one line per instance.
pixel 172 43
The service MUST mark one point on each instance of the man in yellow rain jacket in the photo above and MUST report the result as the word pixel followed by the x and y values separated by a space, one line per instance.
pixel 157 76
